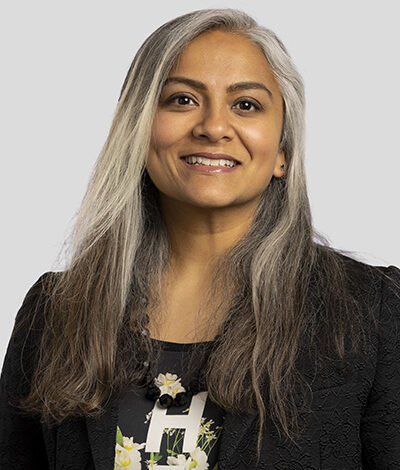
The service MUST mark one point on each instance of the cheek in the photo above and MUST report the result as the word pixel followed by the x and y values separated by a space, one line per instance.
pixel 261 141
pixel 164 132
pixel 164 137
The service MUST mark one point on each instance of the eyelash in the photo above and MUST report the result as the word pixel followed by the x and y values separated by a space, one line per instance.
pixel 246 100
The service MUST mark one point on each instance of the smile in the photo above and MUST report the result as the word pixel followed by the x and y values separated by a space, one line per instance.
pixel 195 160
pixel 206 165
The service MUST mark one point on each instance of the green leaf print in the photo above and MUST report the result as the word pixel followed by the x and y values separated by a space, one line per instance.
pixel 155 456
pixel 215 466
pixel 171 452
pixel 120 441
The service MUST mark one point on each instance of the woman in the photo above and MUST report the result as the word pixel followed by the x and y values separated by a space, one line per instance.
pixel 199 324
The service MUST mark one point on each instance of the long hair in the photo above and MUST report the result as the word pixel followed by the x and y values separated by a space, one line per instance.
pixel 284 279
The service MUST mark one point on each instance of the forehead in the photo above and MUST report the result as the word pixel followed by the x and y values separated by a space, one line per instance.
pixel 221 55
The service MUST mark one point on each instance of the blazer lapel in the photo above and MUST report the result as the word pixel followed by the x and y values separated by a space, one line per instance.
pixel 102 437
pixel 235 429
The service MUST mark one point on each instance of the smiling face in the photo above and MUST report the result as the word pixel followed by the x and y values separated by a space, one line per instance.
pixel 207 116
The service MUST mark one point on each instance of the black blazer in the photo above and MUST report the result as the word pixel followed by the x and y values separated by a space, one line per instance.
pixel 354 421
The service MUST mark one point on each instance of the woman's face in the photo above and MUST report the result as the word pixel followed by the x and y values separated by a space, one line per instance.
pixel 207 116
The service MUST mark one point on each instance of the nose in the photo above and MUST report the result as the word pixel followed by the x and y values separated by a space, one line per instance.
pixel 214 123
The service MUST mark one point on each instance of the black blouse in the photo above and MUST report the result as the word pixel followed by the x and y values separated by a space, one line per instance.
pixel 180 436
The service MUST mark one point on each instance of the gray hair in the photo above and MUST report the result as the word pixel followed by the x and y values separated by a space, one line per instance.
pixel 119 250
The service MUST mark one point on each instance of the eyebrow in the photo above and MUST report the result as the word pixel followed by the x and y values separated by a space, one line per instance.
pixel 231 88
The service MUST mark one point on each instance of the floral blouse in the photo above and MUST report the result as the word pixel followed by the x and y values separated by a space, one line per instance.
pixel 182 437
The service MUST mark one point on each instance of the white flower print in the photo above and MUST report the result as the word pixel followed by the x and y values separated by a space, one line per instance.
pixel 127 459
pixel 169 431
pixel 129 444
pixel 169 384
pixel 197 460
pixel 180 460
pixel 205 426
pixel 148 416
pixel 151 463
pixel 199 457
pixel 128 456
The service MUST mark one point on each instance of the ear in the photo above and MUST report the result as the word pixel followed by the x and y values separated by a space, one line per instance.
pixel 280 160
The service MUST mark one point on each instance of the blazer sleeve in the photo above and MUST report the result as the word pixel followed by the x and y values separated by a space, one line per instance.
pixel 380 424
pixel 21 439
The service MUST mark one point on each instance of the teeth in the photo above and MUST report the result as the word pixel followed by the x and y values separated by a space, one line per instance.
pixel 208 161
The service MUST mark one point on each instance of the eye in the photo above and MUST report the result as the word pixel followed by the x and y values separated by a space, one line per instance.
pixel 251 103
pixel 180 96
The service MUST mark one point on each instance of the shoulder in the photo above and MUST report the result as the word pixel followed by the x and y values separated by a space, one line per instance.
pixel 383 282
pixel 374 295
pixel 389 306
pixel 38 289
pixel 28 318
pixel 25 337
pixel 379 286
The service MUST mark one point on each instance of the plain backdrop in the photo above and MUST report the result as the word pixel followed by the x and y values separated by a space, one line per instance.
pixel 62 68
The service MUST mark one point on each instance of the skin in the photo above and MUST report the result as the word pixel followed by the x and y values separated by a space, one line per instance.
pixel 207 213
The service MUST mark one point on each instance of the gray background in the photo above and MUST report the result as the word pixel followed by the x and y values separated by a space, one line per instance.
pixel 63 65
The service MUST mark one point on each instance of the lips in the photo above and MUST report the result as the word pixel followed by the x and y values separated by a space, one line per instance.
pixel 215 156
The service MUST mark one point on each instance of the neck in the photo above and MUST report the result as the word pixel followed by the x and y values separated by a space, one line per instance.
pixel 200 236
